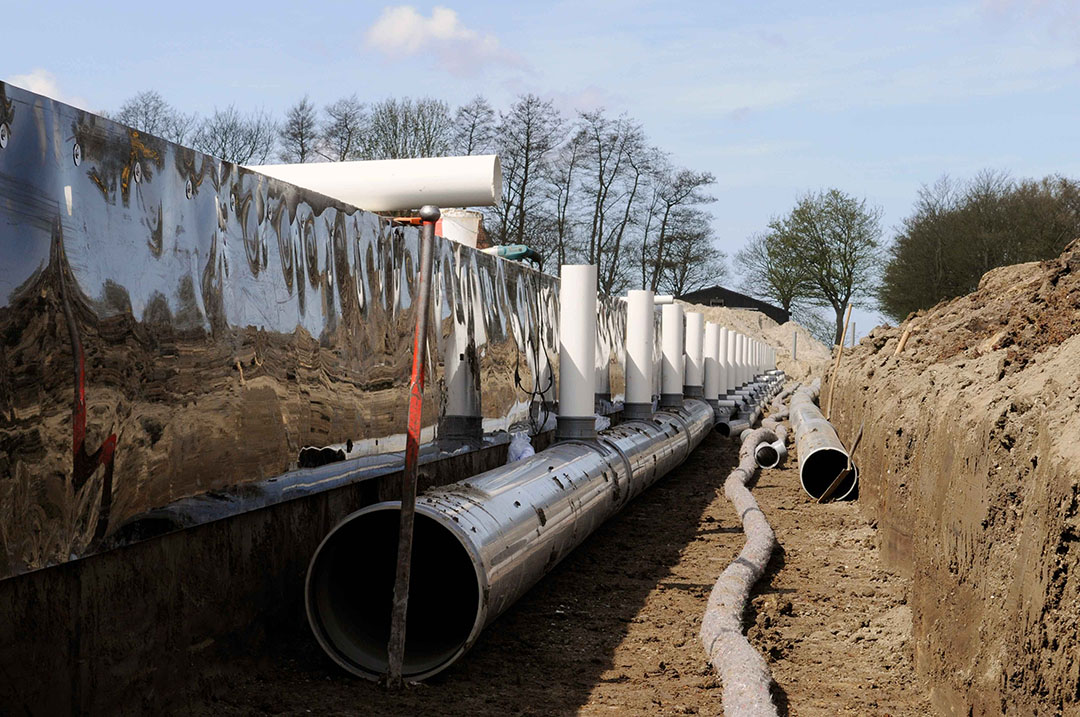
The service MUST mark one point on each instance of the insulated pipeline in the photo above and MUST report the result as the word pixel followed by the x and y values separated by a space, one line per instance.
pixel 482 542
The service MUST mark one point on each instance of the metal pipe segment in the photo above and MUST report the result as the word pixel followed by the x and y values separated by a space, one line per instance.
pixel 822 456
pixel 482 543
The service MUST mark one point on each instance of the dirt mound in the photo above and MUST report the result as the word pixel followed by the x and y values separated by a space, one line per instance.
pixel 971 467
pixel 812 355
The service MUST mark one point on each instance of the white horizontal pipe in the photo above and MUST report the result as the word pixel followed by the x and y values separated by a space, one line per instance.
pixel 399 184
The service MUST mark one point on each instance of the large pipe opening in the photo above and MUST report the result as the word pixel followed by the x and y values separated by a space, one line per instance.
pixel 350 588
pixel 821 467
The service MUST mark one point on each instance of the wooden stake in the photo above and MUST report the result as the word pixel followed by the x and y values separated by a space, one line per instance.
pixel 847 471
pixel 903 340
pixel 836 366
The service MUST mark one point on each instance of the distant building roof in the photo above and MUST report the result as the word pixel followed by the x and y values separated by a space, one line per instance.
pixel 719 296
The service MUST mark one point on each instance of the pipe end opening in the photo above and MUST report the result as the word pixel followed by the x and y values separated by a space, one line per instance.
pixel 350 588
pixel 820 469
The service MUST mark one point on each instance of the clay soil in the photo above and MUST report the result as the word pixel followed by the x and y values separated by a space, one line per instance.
pixel 613 629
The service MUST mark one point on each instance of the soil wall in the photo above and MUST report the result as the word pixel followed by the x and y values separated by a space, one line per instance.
pixel 970 465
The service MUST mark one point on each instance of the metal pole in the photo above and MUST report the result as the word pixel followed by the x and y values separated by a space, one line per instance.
pixel 396 647
pixel 852 333
pixel 794 345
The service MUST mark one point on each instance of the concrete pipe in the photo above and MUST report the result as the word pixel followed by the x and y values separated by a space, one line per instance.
pixel 822 456
pixel 482 543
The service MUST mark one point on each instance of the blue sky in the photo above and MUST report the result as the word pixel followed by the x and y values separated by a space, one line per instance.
pixel 775 98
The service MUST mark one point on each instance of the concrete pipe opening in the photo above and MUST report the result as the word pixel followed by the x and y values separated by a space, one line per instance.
pixel 350 587
pixel 821 467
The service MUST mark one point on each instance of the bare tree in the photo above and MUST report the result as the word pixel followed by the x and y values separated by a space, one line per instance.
pixel 300 133
pixel 474 128
pixel 407 128
pixel 561 177
pixel 527 133
pixel 768 271
pixel 343 130
pixel 692 259
pixel 675 188
pixel 243 139
pixel 149 112
pixel 615 164
pixel 834 238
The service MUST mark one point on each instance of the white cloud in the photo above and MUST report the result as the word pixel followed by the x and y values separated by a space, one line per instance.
pixel 401 31
pixel 43 82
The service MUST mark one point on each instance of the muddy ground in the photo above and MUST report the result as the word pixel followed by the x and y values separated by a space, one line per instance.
pixel 613 629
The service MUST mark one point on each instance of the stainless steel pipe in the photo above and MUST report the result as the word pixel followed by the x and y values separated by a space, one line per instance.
pixel 482 542
pixel 822 456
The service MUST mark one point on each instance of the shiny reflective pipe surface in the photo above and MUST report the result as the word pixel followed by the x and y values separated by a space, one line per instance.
pixel 481 543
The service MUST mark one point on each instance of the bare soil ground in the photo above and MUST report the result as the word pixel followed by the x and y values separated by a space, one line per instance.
pixel 969 463
pixel 613 629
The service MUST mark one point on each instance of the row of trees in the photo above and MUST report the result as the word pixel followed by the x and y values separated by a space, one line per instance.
pixel 827 251
pixel 960 230
pixel 586 188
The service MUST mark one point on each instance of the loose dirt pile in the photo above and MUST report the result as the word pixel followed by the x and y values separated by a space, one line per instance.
pixel 613 629
pixel 971 467
pixel 812 355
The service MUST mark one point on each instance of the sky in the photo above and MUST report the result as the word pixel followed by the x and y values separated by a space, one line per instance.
pixel 774 98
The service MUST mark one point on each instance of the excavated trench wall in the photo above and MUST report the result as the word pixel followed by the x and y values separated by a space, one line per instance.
pixel 970 465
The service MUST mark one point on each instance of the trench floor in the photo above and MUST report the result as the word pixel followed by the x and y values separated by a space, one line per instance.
pixel 613 628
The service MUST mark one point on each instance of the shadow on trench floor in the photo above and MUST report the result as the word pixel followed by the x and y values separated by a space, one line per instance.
pixel 612 629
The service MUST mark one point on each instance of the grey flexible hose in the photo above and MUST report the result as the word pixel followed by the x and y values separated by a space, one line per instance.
pixel 743 671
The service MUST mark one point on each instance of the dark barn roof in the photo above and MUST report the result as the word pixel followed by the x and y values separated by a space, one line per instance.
pixel 719 296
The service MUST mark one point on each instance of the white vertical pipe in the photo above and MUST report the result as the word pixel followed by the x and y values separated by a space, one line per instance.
pixel 712 362
pixel 694 375
pixel 639 350
pixel 671 328
pixel 577 343
pixel 727 345
pixel 740 365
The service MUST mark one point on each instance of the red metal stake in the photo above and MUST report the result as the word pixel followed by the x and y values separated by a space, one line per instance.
pixel 396 647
